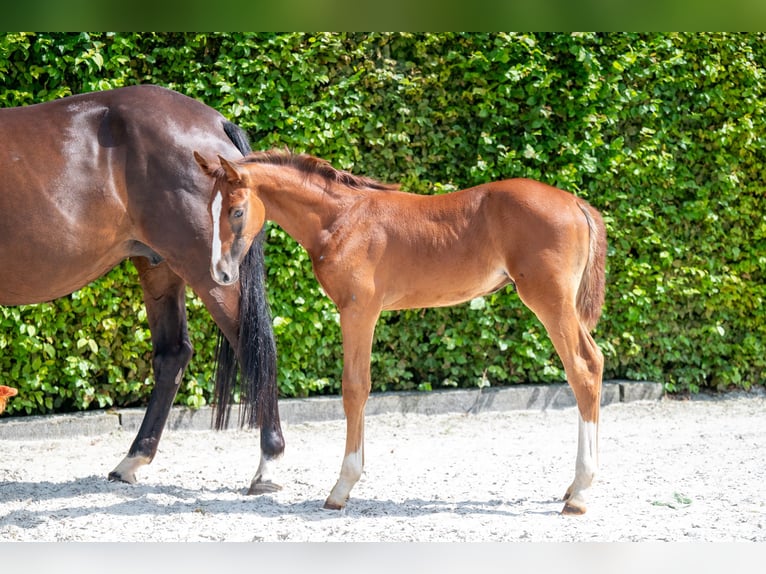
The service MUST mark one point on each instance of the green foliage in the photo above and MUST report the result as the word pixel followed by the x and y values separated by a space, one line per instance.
pixel 661 132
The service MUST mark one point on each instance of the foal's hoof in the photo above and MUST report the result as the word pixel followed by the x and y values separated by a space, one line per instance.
pixel 330 505
pixel 573 509
pixel 263 487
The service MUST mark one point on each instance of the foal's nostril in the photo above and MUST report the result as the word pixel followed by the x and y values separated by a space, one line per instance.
pixel 225 278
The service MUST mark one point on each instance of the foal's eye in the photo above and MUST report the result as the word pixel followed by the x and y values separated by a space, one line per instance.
pixel 238 213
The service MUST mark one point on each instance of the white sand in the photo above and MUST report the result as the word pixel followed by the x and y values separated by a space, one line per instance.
pixel 670 471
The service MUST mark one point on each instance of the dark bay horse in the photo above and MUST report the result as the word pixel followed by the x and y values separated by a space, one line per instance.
pixel 92 179
pixel 376 248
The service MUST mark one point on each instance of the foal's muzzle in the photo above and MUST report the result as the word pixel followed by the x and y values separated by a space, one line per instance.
pixel 224 274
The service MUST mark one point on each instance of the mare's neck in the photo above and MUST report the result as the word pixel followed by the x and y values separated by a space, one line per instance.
pixel 306 206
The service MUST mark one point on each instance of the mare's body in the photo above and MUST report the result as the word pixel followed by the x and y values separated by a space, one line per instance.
pixel 90 180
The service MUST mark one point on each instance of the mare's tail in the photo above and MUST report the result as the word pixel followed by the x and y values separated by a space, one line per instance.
pixel 257 352
pixel 590 295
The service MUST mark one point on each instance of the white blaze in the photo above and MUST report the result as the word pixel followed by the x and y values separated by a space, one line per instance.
pixel 216 209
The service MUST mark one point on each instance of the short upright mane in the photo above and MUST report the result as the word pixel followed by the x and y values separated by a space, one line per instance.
pixel 314 165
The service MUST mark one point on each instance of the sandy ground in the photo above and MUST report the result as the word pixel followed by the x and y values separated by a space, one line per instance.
pixel 670 471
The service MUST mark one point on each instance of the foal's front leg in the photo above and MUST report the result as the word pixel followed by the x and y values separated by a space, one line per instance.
pixel 357 329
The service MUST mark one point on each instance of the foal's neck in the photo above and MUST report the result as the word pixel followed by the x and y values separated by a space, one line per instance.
pixel 306 206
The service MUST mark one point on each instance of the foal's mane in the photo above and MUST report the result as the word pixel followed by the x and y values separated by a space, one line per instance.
pixel 314 165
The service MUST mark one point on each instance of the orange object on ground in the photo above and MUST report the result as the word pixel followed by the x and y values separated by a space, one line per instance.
pixel 5 394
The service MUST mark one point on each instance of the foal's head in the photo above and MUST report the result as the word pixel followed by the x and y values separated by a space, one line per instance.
pixel 238 216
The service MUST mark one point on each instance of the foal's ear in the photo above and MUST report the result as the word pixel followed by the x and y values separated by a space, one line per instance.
pixel 233 172
pixel 204 164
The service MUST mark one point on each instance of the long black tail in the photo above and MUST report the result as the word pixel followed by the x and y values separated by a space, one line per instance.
pixel 257 352
pixel 238 137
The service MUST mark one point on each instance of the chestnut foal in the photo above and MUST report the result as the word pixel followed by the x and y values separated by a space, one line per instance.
pixel 376 248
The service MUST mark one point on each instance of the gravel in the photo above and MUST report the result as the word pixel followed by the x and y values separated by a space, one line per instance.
pixel 671 470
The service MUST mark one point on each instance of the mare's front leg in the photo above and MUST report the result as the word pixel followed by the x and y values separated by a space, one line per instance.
pixel 357 327
pixel 164 297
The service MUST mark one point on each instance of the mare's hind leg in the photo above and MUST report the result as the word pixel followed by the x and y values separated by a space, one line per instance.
pixel 224 303
pixel 164 297
pixel 583 363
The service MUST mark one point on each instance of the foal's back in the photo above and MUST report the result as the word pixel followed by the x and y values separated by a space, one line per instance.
pixel 441 250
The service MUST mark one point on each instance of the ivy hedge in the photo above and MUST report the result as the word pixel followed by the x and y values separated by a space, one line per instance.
pixel 664 133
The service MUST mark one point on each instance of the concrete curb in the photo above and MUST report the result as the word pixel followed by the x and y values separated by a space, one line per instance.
pixel 294 411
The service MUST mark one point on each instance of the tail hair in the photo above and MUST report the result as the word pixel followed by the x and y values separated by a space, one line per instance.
pixel 238 137
pixel 226 381
pixel 592 290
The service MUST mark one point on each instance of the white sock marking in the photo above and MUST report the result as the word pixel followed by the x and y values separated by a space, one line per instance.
pixel 587 453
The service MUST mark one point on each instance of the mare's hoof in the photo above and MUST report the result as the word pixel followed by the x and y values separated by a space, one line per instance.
pixel 263 487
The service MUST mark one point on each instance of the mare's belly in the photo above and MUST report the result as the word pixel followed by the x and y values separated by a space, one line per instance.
pixel 29 278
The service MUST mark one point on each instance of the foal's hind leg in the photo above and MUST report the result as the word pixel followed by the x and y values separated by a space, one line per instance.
pixel 583 363
pixel 164 297
pixel 585 381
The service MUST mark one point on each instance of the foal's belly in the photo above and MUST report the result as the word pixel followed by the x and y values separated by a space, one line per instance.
pixel 417 292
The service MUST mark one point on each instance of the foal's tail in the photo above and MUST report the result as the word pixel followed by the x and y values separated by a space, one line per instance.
pixel 590 295
pixel 256 350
